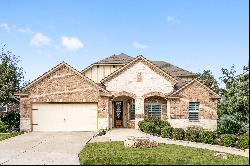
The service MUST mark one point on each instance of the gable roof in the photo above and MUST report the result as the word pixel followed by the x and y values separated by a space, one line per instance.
pixel 120 59
pixel 40 78
pixel 123 59
pixel 139 58
pixel 183 85
pixel 172 69
pixel 116 59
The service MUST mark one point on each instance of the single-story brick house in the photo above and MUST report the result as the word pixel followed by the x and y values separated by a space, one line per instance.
pixel 118 91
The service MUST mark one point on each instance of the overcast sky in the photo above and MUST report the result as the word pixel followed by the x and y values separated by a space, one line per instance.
pixel 196 34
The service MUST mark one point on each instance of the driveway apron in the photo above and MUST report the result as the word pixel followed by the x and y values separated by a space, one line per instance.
pixel 44 148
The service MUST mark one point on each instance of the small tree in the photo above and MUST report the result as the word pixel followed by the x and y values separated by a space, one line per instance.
pixel 234 106
pixel 11 77
pixel 207 78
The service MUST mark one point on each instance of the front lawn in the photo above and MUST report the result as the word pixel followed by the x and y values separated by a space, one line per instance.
pixel 9 135
pixel 115 153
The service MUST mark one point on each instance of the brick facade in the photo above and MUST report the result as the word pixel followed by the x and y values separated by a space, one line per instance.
pixel 62 85
pixel 195 92
pixel 141 83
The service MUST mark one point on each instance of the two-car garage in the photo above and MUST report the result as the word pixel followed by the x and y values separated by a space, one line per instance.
pixel 64 117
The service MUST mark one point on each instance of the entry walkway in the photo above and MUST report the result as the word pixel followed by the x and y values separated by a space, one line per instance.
pixel 121 134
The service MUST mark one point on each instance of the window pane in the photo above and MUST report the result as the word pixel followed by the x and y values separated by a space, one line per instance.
pixel 193 110
pixel 2 108
pixel 132 112
pixel 154 110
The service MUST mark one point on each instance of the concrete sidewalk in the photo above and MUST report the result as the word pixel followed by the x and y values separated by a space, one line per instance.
pixel 122 134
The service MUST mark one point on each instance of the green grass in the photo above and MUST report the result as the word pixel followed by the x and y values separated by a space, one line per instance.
pixel 9 135
pixel 115 153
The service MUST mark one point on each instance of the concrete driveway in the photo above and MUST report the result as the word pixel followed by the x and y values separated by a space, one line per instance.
pixel 44 148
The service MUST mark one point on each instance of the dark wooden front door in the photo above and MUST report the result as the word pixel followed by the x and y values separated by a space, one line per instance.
pixel 118 107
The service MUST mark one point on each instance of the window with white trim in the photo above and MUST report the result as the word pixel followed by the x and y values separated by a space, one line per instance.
pixel 193 111
pixel 154 110
pixel 3 108
pixel 132 112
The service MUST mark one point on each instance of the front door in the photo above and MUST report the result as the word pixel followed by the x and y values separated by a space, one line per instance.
pixel 118 110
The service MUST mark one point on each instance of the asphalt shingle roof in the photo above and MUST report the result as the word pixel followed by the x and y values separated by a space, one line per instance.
pixel 165 66
pixel 116 59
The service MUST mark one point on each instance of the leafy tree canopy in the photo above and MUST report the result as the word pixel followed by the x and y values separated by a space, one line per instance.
pixel 11 76
pixel 207 78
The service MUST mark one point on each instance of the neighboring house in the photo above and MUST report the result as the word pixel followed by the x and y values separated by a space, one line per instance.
pixel 3 109
pixel 118 91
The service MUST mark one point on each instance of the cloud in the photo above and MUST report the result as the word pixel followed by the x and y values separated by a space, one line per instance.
pixel 39 39
pixel 173 20
pixel 14 28
pixel 139 45
pixel 5 26
pixel 25 30
pixel 71 43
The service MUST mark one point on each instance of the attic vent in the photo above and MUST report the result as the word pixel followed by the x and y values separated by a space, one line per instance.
pixel 139 77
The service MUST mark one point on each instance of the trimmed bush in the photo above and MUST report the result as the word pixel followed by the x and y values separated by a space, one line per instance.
pixel 192 134
pixel 243 142
pixel 178 134
pixel 149 127
pixel 153 125
pixel 3 127
pixel 157 130
pixel 158 122
pixel 166 132
pixel 207 137
pixel 227 140
pixel 141 125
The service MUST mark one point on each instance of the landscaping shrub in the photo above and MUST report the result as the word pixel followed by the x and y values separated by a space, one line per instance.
pixel 153 125
pixel 157 130
pixel 207 137
pixel 243 142
pixel 227 140
pixel 159 122
pixel 3 127
pixel 178 134
pixel 102 132
pixel 141 125
pixel 192 134
pixel 12 120
pixel 166 132
pixel 149 127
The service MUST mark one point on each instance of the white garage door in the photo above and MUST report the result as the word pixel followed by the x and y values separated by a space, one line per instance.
pixel 64 117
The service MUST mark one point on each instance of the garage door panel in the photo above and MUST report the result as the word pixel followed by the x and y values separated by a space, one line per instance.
pixel 64 117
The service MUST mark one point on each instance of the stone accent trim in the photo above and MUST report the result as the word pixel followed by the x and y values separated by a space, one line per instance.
pixel 139 116
pixel 144 61
pixel 151 94
pixel 131 124
pixel 123 93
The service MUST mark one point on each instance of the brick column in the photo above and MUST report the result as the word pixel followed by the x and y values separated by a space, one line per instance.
pixel 139 110
pixel 168 110
pixel 25 114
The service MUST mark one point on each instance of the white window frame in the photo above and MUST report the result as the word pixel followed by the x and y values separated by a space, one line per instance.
pixel 195 110
pixel 150 109
pixel 6 108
